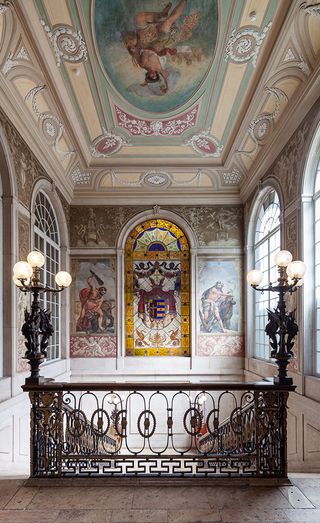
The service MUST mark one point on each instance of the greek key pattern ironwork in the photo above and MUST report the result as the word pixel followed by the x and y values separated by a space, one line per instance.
pixel 166 431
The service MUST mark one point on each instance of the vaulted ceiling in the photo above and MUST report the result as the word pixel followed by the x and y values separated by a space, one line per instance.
pixel 231 78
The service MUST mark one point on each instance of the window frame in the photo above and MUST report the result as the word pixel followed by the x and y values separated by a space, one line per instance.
pixel 51 249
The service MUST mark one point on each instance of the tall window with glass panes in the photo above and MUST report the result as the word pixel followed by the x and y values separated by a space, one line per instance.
pixel 47 241
pixel 317 266
pixel 266 245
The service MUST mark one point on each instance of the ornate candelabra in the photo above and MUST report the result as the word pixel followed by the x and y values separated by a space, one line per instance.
pixel 37 327
pixel 281 327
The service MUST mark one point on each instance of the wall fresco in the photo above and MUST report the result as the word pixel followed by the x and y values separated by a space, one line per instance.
pixel 219 308
pixel 94 308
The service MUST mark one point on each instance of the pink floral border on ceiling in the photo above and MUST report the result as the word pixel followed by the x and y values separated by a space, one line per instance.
pixel 144 127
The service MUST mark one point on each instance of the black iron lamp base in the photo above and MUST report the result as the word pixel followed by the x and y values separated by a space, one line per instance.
pixel 282 380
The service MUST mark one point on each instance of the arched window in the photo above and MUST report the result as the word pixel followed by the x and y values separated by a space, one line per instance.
pixel 317 265
pixel 47 241
pixel 157 290
pixel 266 245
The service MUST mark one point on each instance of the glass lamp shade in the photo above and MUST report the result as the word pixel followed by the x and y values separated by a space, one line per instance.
pixel 254 277
pixel 36 259
pixel 283 258
pixel 63 279
pixel 296 269
pixel 22 270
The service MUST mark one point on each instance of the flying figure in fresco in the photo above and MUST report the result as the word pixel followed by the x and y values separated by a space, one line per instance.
pixel 95 315
pixel 155 39
pixel 216 309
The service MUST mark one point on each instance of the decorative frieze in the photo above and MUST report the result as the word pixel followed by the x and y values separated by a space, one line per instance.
pixel 100 226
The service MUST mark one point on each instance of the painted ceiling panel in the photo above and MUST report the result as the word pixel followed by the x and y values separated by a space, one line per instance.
pixel 145 83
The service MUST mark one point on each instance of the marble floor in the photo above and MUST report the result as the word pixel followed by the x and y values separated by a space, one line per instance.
pixel 89 502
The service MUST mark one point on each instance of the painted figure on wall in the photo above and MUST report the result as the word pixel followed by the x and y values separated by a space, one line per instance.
pixel 170 48
pixel 96 311
pixel 216 309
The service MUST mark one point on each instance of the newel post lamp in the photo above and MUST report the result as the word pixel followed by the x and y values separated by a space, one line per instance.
pixel 281 327
pixel 37 327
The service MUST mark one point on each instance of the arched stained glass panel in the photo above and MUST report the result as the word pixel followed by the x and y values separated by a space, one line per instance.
pixel 157 290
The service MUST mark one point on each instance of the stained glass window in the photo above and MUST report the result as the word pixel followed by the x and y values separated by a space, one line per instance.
pixel 157 290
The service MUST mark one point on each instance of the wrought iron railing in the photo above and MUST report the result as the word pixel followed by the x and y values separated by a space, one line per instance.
pixel 157 430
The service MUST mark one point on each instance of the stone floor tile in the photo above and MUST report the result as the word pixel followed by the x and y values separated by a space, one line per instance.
pixel 296 497
pixel 193 515
pixel 234 515
pixel 84 498
pixel 8 488
pixel 22 498
pixel 312 494
pixel 260 498
pixel 303 515
pixel 170 498
pixel 28 516
pixel 139 516
pixel 84 516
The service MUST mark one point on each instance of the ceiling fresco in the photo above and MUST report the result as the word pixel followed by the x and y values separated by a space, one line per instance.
pixel 137 96
pixel 164 55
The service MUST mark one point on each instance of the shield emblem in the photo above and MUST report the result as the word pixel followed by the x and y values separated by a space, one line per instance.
pixel 157 309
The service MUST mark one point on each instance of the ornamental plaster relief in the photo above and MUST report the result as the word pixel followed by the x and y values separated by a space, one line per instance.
pixel 287 167
pixel 27 167
pixel 291 228
pixel 100 226
pixel 28 170
pixel 24 238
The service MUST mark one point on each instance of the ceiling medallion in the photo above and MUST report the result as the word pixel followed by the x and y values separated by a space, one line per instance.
pixel 156 179
pixel 244 45
pixel 68 44
pixel 205 145
pixel 107 144
pixel 170 127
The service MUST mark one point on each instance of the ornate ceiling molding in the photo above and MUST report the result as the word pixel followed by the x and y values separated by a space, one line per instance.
pixel 108 144
pixel 205 145
pixel 4 6
pixel 312 10
pixel 52 128
pixel 168 127
pixel 67 43
pixel 260 127
pixel 244 45
pixel 233 177
pixel 79 177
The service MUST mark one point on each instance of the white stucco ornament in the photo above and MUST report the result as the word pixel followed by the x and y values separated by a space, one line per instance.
pixel 244 45
pixel 67 43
